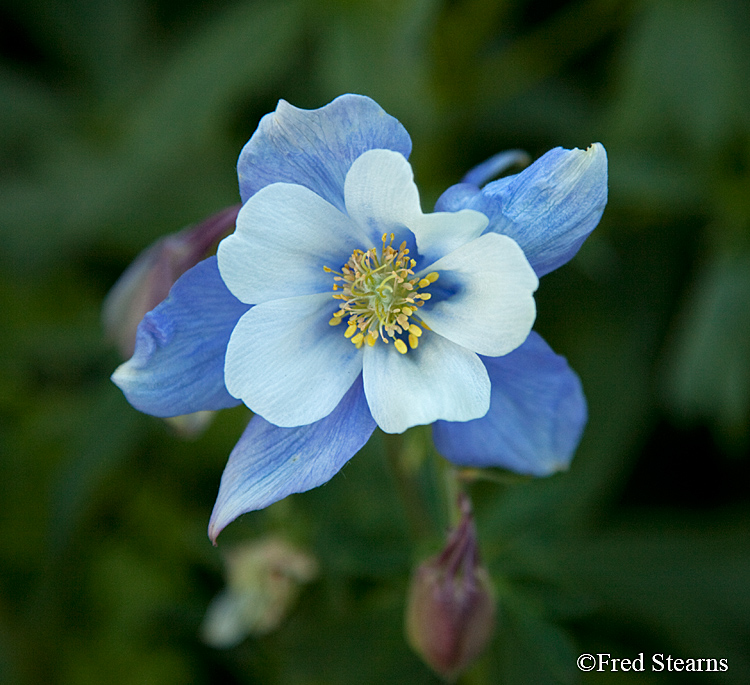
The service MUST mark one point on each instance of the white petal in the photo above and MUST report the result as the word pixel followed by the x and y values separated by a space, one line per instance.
pixel 285 235
pixel 381 197
pixel 490 308
pixel 380 193
pixel 287 364
pixel 440 233
pixel 438 380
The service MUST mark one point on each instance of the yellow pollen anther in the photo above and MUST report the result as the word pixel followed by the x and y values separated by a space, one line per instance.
pixel 378 294
pixel 429 279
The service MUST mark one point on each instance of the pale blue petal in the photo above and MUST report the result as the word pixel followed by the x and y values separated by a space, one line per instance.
pixel 536 417
pixel 178 364
pixel 438 380
pixel 285 235
pixel 492 309
pixel 549 209
pixel 315 148
pixel 286 362
pixel 269 463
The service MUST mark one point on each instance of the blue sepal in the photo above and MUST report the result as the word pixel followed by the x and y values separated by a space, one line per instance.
pixel 536 417
pixel 269 463
pixel 549 209
pixel 178 364
pixel 315 148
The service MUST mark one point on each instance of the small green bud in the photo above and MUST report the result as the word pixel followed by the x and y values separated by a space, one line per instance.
pixel 450 616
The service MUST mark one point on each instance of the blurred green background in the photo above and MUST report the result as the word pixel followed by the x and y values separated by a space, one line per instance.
pixel 121 121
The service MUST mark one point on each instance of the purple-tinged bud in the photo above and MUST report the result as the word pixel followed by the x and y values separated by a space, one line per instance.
pixel 450 615
pixel 147 281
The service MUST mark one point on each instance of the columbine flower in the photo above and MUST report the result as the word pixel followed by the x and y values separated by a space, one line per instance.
pixel 337 305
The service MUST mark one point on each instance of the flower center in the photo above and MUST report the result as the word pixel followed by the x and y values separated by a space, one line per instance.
pixel 379 296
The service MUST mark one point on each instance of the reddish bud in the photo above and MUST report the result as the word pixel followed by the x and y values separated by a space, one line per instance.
pixel 450 616
pixel 147 281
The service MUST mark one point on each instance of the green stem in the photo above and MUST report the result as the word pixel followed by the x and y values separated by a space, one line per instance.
pixel 408 488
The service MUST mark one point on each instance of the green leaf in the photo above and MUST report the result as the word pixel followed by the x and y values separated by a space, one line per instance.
pixel 685 581
pixel 708 361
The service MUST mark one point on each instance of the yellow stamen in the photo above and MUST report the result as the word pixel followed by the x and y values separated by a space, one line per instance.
pixel 378 294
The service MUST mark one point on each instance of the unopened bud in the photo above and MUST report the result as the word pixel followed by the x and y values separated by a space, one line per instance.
pixel 450 615
pixel 263 581
pixel 148 279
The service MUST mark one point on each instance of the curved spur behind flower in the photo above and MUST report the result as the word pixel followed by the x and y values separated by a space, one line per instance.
pixel 345 306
